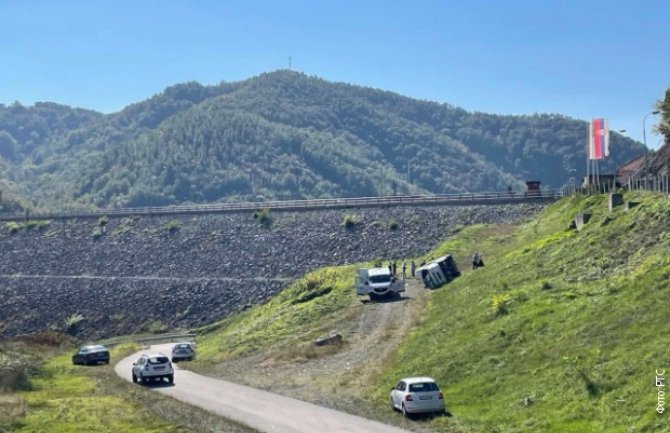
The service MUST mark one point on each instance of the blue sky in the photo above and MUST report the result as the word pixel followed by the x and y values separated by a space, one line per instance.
pixel 583 59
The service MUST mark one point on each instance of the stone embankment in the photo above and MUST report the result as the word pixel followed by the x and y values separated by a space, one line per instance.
pixel 96 279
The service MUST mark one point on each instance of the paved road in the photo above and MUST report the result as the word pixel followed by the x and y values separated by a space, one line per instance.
pixel 261 410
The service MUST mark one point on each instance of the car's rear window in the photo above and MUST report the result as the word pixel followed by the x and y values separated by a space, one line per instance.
pixel 158 360
pixel 423 387
pixel 183 346
pixel 87 349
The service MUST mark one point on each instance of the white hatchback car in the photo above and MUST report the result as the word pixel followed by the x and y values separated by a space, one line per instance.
pixel 153 367
pixel 417 395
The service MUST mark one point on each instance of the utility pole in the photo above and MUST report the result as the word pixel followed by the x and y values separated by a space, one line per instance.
pixel 646 149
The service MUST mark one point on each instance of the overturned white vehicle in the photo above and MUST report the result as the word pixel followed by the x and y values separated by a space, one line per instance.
pixel 378 283
pixel 438 272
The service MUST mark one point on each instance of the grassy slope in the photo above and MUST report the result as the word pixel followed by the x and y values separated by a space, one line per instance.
pixel 583 334
pixel 66 398
pixel 288 319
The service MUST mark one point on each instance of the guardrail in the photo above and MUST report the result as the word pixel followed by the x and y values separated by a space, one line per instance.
pixel 303 205
pixel 161 338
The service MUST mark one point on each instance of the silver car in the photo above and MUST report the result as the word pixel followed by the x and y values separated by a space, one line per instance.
pixel 417 395
pixel 183 351
pixel 153 367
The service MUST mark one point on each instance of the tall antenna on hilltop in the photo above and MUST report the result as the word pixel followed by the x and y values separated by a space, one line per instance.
pixel 289 63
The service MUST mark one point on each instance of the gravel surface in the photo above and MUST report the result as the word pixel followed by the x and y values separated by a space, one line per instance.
pixel 137 275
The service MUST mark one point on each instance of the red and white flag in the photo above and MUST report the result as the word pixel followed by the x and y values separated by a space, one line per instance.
pixel 599 139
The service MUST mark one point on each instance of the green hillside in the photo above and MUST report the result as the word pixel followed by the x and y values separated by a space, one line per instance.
pixel 561 331
pixel 280 135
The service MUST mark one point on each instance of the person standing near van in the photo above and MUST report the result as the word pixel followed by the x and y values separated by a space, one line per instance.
pixel 412 268
pixel 404 268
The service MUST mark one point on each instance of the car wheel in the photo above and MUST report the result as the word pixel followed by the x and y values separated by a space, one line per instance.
pixel 404 411
pixel 392 405
pixel 134 378
pixel 170 378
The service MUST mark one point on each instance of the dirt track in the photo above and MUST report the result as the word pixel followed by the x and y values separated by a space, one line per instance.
pixel 372 332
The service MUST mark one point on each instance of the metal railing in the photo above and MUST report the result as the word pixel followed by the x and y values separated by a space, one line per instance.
pixel 153 339
pixel 653 183
pixel 303 205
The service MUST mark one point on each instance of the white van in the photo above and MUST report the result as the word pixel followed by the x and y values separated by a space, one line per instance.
pixel 378 283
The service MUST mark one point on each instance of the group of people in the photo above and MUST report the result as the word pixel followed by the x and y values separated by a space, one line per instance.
pixel 403 267
pixel 477 262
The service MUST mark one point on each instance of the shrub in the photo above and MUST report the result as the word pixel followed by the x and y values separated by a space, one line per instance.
pixel 350 221
pixel 263 217
pixel 72 323
pixel 97 233
pixel 125 226
pixel 546 285
pixel 13 226
pixel 173 226
pixel 103 220
pixel 500 304
pixel 156 326
pixel 37 224
pixel 393 225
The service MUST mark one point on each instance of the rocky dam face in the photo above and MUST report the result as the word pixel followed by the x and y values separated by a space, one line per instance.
pixel 98 278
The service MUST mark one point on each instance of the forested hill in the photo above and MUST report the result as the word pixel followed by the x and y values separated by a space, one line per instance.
pixel 280 135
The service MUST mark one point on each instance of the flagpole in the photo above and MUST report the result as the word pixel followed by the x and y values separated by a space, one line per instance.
pixel 588 158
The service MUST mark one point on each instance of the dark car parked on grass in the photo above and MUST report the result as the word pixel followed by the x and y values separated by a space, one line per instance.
pixel 88 355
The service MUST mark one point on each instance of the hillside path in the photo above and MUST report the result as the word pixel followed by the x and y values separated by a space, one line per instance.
pixel 259 409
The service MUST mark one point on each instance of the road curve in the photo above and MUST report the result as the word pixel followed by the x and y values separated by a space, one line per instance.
pixel 261 410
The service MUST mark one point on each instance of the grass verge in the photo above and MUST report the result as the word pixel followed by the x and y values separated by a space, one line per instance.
pixel 63 398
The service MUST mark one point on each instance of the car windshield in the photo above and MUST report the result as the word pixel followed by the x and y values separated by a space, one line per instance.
pixel 158 360
pixel 183 346
pixel 423 387
pixel 380 278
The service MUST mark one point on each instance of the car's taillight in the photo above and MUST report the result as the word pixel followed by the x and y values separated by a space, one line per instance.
pixel 441 397
pixel 409 397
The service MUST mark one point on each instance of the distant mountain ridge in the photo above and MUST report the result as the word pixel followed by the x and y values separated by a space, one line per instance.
pixel 280 135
